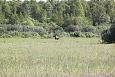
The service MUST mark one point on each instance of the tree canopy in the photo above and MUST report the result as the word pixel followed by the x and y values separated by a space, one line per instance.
pixel 97 11
pixel 67 14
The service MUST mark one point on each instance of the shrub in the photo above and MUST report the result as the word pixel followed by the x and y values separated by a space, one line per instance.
pixel 2 30
pixel 112 30
pixel 58 32
pixel 106 36
pixel 71 28
pixel 65 34
pixel 89 34
pixel 6 36
pixel 89 29
pixel 22 30
pixel 101 28
pixel 40 30
pixel 26 34
pixel 23 34
pixel 71 34
pixel 77 34
pixel 50 35
pixel 28 21
pixel 14 33
pixel 34 34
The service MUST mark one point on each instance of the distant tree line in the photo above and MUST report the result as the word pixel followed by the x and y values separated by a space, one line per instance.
pixel 67 17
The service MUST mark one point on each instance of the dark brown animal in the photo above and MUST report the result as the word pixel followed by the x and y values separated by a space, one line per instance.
pixel 56 37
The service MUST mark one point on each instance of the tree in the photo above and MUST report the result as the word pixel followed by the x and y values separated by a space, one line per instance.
pixel 2 18
pixel 49 9
pixel 110 9
pixel 25 8
pixel 98 12
pixel 6 10
pixel 112 30
pixel 13 19
pixel 76 8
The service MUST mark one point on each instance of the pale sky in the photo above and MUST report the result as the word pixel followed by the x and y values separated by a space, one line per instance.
pixel 38 0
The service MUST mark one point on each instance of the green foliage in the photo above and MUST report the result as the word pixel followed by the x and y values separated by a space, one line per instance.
pixel 82 34
pixel 22 31
pixel 6 10
pixel 65 34
pixel 89 34
pixel 108 36
pixel 13 33
pixel 101 28
pixel 71 28
pixel 78 34
pixel 20 34
pixel 56 17
pixel 58 32
pixel 14 19
pixel 6 36
pixel 80 12
pixel 89 29
pixel 2 18
pixel 40 30
pixel 99 13
pixel 28 21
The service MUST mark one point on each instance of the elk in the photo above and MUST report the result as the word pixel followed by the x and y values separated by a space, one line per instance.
pixel 56 37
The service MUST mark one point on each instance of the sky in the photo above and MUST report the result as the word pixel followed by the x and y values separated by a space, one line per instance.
pixel 39 0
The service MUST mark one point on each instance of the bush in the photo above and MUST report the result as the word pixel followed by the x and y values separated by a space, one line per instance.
pixel 89 29
pixel 14 33
pixel 112 30
pixel 34 34
pixel 6 36
pixel 77 34
pixel 2 30
pixel 40 30
pixel 89 34
pixel 25 35
pixel 29 34
pixel 20 34
pixel 65 34
pixel 71 28
pixel 106 36
pixel 101 28
pixel 58 33
pixel 28 21
pixel 50 35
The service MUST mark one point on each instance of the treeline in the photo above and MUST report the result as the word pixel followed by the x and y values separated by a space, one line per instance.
pixel 77 18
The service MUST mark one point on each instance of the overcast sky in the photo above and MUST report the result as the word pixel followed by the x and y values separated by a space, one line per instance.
pixel 38 0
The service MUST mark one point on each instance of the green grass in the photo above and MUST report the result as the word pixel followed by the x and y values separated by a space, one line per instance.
pixel 67 57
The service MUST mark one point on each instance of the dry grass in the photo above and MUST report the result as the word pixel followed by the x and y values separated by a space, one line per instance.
pixel 67 57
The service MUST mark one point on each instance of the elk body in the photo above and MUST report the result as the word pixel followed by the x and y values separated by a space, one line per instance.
pixel 56 37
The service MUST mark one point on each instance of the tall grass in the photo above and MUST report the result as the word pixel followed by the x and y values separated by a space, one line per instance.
pixel 67 57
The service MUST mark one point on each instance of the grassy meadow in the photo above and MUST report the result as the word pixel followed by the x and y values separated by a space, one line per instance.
pixel 67 57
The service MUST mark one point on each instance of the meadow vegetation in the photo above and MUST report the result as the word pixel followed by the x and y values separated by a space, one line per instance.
pixel 67 57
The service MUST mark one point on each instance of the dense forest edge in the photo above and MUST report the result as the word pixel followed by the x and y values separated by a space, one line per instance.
pixel 68 18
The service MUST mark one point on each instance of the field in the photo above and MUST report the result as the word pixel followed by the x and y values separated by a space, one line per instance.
pixel 67 57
